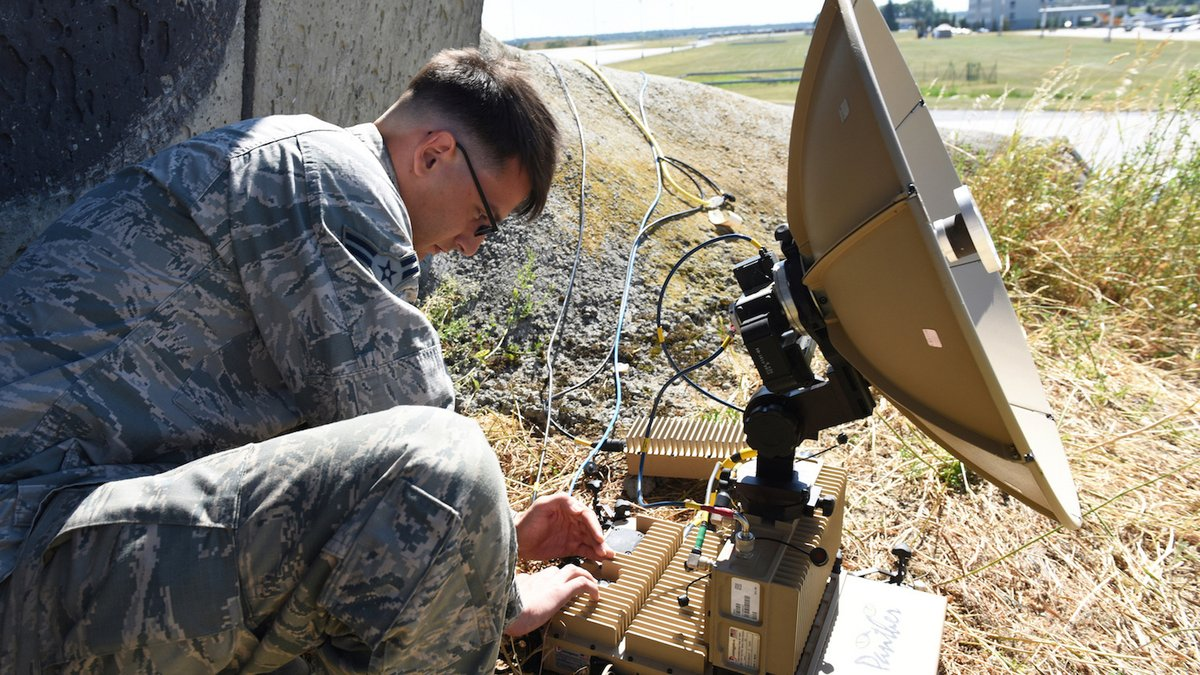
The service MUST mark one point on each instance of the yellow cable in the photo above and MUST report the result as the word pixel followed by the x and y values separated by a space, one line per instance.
pixel 694 200
pixel 742 456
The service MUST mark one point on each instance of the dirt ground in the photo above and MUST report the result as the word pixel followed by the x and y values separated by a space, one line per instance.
pixel 1117 596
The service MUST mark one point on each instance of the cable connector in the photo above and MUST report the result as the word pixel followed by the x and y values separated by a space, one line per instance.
pixel 719 511
pixel 612 445
pixel 720 211
pixel 743 543
pixel 697 563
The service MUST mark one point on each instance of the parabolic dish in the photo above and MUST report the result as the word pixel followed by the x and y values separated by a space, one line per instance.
pixel 868 178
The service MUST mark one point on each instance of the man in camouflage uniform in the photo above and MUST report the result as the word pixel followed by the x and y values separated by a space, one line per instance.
pixel 202 465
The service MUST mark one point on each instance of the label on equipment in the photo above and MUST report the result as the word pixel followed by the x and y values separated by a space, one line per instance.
pixel 744 599
pixel 743 648
pixel 569 661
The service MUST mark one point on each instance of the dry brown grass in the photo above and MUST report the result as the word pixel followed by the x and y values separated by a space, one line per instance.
pixel 1119 595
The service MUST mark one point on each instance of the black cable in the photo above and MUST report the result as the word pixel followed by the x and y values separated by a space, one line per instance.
pixel 695 182
pixel 683 599
pixel 780 541
pixel 818 454
pixel 584 382
pixel 658 318
pixel 654 411
pixel 674 378
pixel 645 232
pixel 699 578
pixel 563 431
pixel 693 173
pixel 659 311
pixel 611 357
pixel 678 215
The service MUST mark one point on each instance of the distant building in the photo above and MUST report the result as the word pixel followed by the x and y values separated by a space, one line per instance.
pixel 1027 14
pixel 1004 14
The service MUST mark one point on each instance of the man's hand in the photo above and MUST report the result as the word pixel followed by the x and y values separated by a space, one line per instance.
pixel 558 526
pixel 547 591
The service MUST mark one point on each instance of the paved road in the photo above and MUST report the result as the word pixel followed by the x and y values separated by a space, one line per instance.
pixel 605 54
pixel 1100 138
pixel 1119 34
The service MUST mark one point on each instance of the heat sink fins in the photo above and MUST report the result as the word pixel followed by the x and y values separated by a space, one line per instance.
pixel 672 635
pixel 603 623
pixel 681 447
pixel 811 532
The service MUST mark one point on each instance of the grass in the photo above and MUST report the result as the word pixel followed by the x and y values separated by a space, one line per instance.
pixel 1116 247
pixel 1126 73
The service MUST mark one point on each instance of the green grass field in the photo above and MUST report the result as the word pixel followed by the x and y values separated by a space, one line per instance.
pixel 962 72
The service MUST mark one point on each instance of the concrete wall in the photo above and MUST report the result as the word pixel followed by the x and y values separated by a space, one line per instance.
pixel 87 88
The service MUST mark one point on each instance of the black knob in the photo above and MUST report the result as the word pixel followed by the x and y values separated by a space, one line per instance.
pixel 771 429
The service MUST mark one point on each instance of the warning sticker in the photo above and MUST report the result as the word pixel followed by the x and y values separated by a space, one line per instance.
pixel 743 601
pixel 743 648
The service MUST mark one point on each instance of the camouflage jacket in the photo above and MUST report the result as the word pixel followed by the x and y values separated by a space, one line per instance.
pixel 251 281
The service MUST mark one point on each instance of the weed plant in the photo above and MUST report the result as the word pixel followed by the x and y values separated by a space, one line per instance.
pixel 1110 245
pixel 470 350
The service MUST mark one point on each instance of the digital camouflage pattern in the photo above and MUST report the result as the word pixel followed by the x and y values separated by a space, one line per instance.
pixel 379 544
pixel 249 282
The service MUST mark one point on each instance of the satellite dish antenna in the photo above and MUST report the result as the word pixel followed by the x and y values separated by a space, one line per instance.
pixel 903 269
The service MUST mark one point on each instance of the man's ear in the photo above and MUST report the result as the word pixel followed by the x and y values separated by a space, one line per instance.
pixel 433 150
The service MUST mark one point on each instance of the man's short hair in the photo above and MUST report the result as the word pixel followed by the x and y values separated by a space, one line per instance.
pixel 498 106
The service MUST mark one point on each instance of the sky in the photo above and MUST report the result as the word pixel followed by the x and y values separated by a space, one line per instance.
pixel 511 19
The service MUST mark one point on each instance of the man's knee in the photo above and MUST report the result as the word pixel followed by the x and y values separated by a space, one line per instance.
pixel 435 538
pixel 444 454
pixel 445 458
pixel 395 500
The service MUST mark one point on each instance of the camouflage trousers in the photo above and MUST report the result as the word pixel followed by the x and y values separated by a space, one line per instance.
pixel 378 544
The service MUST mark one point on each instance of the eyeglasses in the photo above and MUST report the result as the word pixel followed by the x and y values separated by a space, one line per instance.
pixel 492 227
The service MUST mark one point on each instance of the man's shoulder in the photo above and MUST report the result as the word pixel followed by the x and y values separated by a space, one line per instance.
pixel 201 159
pixel 326 147
pixel 247 135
